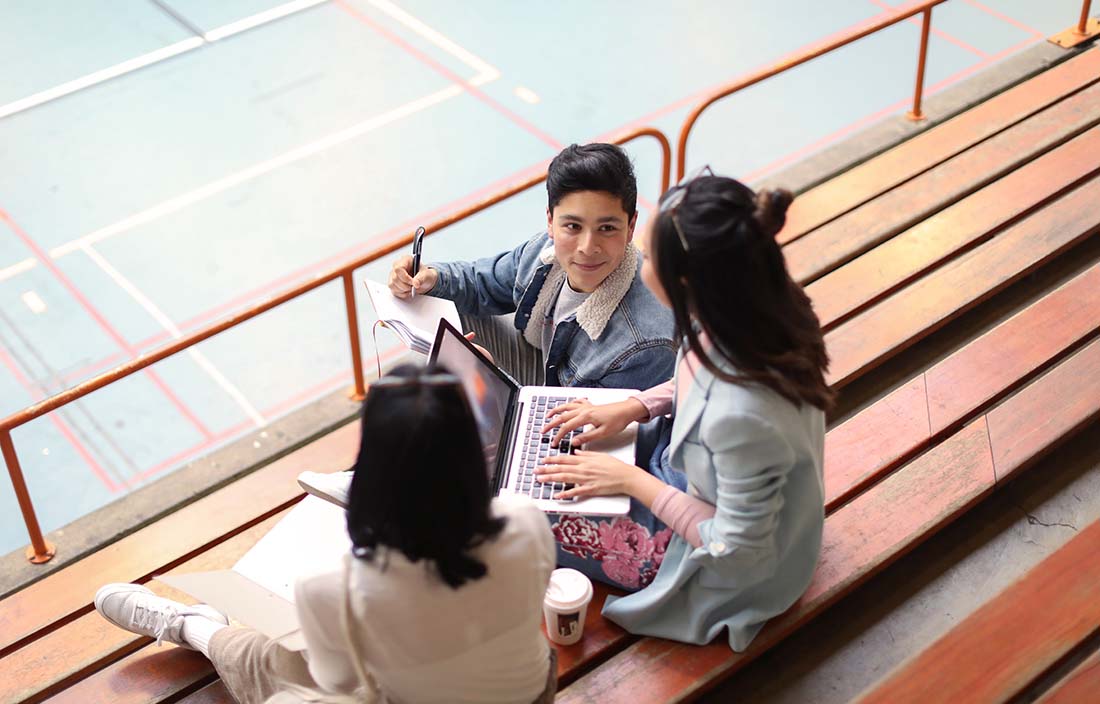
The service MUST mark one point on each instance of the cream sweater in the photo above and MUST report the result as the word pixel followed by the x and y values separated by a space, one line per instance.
pixel 425 642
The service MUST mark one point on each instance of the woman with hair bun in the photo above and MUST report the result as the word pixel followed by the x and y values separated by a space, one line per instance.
pixel 748 422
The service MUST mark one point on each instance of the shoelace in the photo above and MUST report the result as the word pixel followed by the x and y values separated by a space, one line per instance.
pixel 160 620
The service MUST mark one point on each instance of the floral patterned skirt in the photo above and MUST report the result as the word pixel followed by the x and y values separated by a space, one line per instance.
pixel 623 551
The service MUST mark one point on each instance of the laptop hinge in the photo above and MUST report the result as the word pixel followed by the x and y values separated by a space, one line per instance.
pixel 504 458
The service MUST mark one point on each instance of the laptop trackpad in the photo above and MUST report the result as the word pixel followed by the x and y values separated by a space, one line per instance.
pixel 620 445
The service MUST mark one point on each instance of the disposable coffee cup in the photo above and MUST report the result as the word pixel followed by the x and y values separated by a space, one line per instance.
pixel 565 605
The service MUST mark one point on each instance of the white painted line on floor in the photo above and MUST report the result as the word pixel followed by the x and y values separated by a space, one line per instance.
pixel 34 302
pixel 100 76
pixel 526 94
pixel 14 270
pixel 223 184
pixel 157 56
pixel 200 359
pixel 275 13
pixel 485 71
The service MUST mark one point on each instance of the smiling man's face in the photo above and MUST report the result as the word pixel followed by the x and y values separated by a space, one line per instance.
pixel 590 230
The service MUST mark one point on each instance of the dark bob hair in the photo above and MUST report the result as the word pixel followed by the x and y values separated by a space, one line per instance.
pixel 420 484
pixel 592 167
pixel 716 257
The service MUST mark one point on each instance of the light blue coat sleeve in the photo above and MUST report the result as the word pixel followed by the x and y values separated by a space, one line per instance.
pixel 751 460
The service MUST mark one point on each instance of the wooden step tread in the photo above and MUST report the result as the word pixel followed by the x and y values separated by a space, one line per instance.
pixel 922 410
pixel 1007 643
pixel 90 643
pixel 1078 686
pixel 845 238
pixel 213 693
pixel 918 310
pixel 861 183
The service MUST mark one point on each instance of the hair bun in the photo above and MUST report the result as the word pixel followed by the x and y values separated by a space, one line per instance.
pixel 771 209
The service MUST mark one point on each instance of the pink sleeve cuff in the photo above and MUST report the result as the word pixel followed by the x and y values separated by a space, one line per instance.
pixel 658 400
pixel 682 513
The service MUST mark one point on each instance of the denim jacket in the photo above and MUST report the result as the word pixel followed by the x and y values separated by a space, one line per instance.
pixel 620 337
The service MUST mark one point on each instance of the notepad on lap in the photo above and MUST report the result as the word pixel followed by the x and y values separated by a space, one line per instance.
pixel 413 320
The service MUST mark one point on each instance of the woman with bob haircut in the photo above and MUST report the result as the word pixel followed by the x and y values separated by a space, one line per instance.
pixel 440 599
pixel 748 423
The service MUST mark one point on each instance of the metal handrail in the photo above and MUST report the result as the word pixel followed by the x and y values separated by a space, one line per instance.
pixel 41 551
pixel 1083 22
pixel 924 6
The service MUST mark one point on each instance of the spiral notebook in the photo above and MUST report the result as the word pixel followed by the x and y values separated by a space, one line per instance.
pixel 414 320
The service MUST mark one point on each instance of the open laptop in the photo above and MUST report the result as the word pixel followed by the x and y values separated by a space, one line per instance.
pixel 509 418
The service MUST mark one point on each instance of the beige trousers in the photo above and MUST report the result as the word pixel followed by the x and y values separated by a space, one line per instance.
pixel 257 671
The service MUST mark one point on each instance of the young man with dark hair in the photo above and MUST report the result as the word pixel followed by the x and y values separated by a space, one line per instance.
pixel 582 316
pixel 575 292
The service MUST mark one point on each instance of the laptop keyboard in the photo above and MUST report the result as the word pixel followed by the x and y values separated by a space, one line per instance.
pixel 538 448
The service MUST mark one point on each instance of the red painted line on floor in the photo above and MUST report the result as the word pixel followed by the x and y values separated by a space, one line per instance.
pixel 298 275
pixel 1005 18
pixel 79 374
pixel 955 78
pixel 937 32
pixel 880 114
pixel 824 141
pixel 44 258
pixel 698 96
pixel 182 456
pixel 62 426
pixel 287 404
pixel 450 75
pixel 356 250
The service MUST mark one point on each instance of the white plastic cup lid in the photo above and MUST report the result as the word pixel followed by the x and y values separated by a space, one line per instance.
pixel 568 590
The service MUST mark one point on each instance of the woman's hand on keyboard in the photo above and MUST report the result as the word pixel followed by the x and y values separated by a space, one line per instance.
pixel 605 420
pixel 598 474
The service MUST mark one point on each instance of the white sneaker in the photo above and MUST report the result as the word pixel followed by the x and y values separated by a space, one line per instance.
pixel 334 487
pixel 137 609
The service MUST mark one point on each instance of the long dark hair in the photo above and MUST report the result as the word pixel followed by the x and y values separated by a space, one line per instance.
pixel 717 259
pixel 420 484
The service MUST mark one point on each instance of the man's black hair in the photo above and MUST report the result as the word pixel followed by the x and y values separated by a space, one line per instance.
pixel 420 485
pixel 593 167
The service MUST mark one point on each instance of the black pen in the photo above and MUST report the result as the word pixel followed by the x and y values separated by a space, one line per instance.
pixel 418 245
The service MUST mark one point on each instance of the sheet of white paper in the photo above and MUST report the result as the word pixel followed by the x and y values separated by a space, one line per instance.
pixel 259 590
pixel 420 315
pixel 244 600
pixel 312 538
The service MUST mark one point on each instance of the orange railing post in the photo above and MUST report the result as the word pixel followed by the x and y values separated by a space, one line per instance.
pixel 926 26
pixel 1083 23
pixel 1084 30
pixel 359 392
pixel 40 550
pixel 798 59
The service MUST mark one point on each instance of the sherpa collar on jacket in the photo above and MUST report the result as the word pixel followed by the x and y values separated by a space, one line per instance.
pixel 597 309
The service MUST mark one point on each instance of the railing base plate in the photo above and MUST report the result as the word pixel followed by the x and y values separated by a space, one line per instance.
pixel 41 559
pixel 1071 37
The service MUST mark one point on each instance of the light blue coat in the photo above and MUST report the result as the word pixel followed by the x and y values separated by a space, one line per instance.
pixel 758 458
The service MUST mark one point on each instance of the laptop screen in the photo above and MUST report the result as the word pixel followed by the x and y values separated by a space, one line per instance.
pixel 488 390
